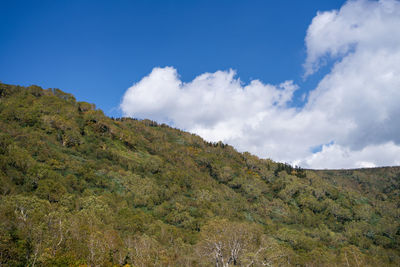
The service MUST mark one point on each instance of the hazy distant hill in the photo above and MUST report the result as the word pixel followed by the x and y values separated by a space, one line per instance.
pixel 77 187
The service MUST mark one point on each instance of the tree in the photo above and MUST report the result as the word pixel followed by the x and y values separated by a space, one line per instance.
pixel 225 243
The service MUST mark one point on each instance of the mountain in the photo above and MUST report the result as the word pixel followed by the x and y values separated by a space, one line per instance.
pixel 80 188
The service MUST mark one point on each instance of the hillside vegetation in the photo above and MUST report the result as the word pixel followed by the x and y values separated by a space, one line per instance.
pixel 80 188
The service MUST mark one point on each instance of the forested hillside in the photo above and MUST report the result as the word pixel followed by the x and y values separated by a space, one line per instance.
pixel 80 188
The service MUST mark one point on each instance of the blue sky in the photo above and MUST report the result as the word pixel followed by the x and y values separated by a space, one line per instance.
pixel 97 49
pixel 313 83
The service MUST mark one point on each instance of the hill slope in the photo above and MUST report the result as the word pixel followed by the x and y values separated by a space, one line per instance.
pixel 77 187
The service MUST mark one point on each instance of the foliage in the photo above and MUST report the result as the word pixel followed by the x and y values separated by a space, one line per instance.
pixel 79 188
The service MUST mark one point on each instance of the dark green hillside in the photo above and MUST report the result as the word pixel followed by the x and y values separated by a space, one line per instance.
pixel 77 187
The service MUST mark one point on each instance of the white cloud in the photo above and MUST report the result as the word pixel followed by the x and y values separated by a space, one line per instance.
pixel 358 25
pixel 335 156
pixel 215 105
pixel 355 105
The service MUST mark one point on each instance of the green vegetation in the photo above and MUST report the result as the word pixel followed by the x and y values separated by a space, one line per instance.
pixel 79 188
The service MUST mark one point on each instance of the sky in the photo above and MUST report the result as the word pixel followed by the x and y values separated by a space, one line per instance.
pixel 311 83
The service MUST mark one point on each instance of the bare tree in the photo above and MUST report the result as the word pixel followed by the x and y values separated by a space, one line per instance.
pixel 224 242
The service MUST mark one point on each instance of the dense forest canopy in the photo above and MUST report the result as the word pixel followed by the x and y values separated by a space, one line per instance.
pixel 80 188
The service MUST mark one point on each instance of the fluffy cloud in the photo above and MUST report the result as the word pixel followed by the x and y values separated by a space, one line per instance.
pixel 358 25
pixel 353 115
pixel 335 156
pixel 216 105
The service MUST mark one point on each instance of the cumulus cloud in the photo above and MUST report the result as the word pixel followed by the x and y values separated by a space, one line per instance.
pixel 353 115
pixel 335 156
pixel 358 25
pixel 215 105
